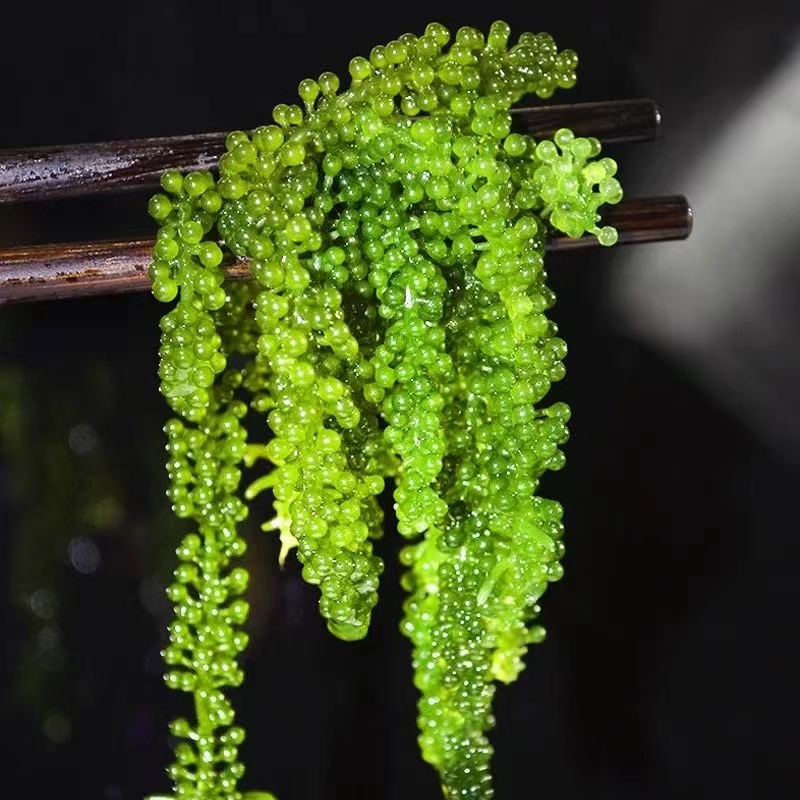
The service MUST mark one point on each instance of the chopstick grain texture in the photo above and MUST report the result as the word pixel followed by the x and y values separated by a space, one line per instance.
pixel 55 272
pixel 50 173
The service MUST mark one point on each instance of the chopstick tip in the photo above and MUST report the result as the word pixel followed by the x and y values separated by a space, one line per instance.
pixel 689 219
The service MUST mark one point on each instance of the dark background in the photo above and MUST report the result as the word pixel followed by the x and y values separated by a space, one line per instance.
pixel 670 667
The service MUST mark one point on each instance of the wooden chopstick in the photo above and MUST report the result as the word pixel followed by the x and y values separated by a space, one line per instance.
pixel 48 173
pixel 54 272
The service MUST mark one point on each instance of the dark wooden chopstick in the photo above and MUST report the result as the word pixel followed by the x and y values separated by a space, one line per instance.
pixel 54 272
pixel 48 173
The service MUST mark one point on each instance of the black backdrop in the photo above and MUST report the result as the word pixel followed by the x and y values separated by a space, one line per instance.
pixel 669 670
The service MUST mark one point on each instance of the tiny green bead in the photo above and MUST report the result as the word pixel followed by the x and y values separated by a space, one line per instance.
pixel 166 249
pixel 172 182
pixel 607 236
pixel 268 138
pixel 360 68
pixel 308 90
pixel 190 231
pixel 292 153
pixel 328 83
pixel 210 254
pixel 159 207
pixel 564 137
pixel 195 183
pixel 165 291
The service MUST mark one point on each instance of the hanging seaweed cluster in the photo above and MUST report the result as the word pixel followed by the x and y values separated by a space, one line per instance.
pixel 395 327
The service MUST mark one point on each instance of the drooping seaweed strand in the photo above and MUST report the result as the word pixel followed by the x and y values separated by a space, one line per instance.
pixel 395 328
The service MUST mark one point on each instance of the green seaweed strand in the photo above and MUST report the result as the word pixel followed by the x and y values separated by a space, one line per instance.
pixel 395 327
